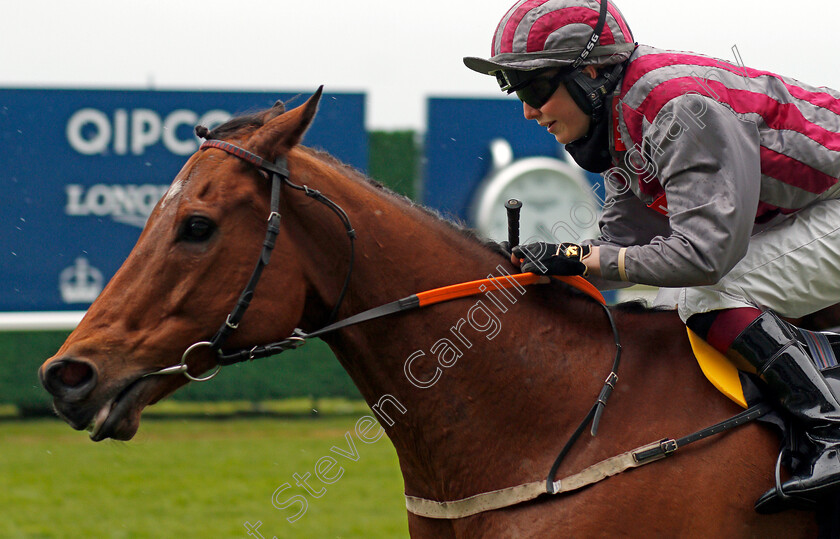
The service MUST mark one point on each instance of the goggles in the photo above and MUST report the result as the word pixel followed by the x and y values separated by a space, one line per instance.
pixel 535 91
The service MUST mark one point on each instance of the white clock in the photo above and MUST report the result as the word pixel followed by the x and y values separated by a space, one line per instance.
pixel 558 203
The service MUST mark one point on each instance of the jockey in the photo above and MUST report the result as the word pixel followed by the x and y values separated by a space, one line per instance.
pixel 722 188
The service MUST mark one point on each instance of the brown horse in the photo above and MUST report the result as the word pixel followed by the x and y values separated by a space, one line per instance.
pixel 476 394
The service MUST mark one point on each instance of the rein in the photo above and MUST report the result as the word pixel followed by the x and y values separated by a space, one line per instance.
pixel 279 174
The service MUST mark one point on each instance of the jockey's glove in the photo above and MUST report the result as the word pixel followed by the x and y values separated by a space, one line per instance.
pixel 505 248
pixel 551 259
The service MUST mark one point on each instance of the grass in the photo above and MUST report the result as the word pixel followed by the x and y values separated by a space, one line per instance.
pixel 196 478
pixel 293 407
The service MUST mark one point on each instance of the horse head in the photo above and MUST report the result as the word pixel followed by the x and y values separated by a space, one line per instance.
pixel 180 281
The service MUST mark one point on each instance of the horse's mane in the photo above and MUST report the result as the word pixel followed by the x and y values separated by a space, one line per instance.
pixel 245 124
pixel 242 124
pixel 451 221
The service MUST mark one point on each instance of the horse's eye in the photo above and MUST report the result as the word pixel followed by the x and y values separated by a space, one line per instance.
pixel 197 228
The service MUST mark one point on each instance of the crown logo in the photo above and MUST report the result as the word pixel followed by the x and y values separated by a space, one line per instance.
pixel 81 282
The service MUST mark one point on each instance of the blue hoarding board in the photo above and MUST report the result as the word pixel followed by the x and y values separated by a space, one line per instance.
pixel 458 157
pixel 460 166
pixel 80 170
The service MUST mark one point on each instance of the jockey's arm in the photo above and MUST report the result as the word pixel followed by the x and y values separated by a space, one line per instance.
pixel 711 176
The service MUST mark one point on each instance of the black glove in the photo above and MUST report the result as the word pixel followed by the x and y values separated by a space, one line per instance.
pixel 552 259
pixel 505 247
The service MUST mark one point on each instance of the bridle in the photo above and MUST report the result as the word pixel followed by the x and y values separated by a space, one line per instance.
pixel 279 174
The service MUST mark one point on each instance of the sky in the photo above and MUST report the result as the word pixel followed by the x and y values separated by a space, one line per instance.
pixel 398 53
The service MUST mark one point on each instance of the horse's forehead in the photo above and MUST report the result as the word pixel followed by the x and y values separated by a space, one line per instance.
pixel 195 174
pixel 173 191
pixel 178 183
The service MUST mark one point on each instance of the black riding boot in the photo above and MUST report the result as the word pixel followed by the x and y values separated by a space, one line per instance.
pixel 769 346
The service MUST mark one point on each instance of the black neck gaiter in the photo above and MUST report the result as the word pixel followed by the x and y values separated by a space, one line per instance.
pixel 592 152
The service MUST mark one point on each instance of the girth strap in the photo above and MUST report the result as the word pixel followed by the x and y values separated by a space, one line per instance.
pixel 506 497
pixel 635 458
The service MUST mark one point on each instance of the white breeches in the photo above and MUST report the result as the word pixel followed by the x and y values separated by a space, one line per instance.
pixel 792 267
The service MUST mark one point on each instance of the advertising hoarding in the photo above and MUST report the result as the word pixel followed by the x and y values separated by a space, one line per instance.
pixel 82 169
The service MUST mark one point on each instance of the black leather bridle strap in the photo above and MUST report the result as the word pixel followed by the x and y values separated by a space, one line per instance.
pixel 299 337
pixel 278 167
pixel 235 316
pixel 279 174
pixel 348 228
pixel 594 414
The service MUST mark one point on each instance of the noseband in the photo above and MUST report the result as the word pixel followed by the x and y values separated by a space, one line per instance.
pixel 279 174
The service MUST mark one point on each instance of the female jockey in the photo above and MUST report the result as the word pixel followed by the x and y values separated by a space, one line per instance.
pixel 722 184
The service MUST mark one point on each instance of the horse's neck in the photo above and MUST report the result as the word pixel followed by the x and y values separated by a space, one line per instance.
pixel 446 380
pixel 401 249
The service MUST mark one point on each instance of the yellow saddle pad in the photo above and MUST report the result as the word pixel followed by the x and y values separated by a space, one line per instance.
pixel 720 372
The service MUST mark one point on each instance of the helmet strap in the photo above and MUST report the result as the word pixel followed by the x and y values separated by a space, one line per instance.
pixel 596 35
pixel 591 152
pixel 589 94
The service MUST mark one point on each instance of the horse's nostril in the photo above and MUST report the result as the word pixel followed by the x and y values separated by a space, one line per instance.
pixel 75 374
pixel 69 379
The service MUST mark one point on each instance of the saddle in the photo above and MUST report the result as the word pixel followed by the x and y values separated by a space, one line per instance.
pixel 823 347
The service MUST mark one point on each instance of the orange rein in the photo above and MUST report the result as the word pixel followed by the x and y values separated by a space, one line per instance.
pixel 446 293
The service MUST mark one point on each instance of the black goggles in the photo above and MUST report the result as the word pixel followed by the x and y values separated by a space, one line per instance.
pixel 535 91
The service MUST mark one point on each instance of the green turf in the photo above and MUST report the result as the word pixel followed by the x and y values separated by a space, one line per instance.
pixel 195 478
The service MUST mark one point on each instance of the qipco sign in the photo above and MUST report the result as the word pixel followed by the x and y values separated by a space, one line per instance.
pixel 92 131
pixel 83 170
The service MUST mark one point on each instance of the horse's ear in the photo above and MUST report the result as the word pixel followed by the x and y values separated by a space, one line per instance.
pixel 282 133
